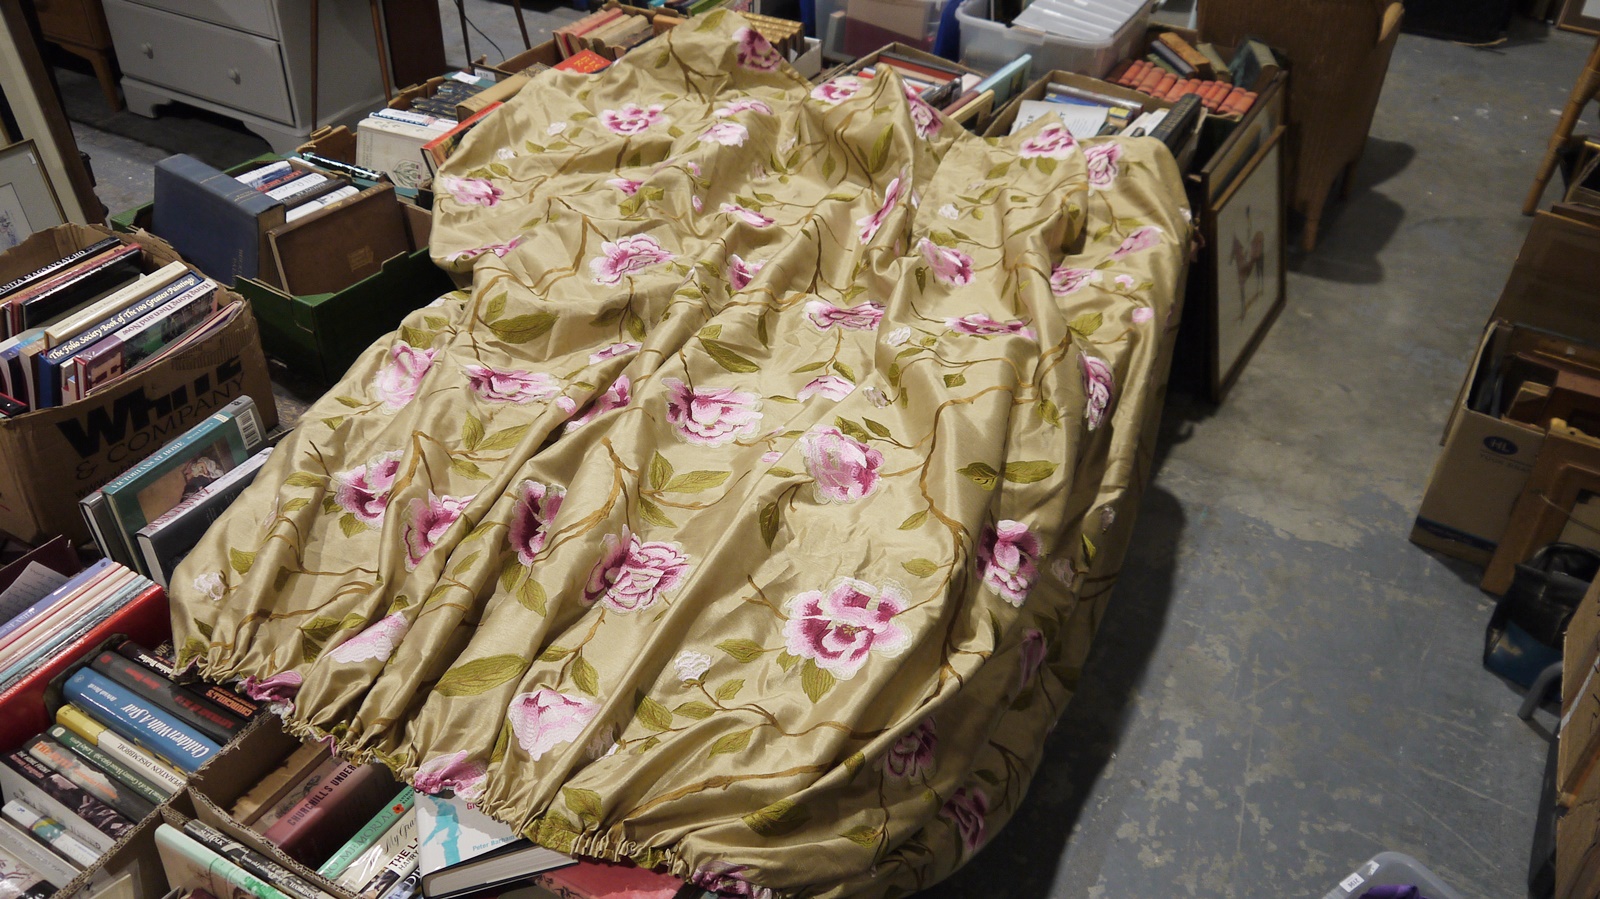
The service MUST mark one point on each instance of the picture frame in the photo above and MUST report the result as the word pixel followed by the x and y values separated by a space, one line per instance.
pixel 1246 231
pixel 1580 16
pixel 28 201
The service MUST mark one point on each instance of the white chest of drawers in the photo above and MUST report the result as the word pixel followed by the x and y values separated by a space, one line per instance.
pixel 249 60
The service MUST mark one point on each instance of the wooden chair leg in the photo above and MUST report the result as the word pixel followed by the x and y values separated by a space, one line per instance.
pixel 1348 184
pixel 1308 235
pixel 1583 91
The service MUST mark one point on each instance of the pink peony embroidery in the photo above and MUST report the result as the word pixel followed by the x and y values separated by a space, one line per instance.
pixel 473 191
pixel 967 809
pixel 544 719
pixel 1102 160
pixel 746 104
pixel 363 491
pixel 375 644
pixel 1143 314
pixel 950 265
pixel 625 256
pixel 750 216
pixel 618 395
pixel 1030 656
pixel 911 756
pixel 728 134
pixel 891 197
pixel 628 186
pixel 1053 141
pixel 840 628
pixel 496 385
pixel 280 687
pixel 711 416
pixel 1126 281
pixel 740 272
pixel 1142 238
pixel 844 468
pixel 754 51
pixel 400 377
pixel 923 118
pixel 1098 384
pixel 427 521
pixel 1007 558
pixel 698 204
pixel 613 351
pixel 729 880
pixel 1064 281
pixel 632 118
pixel 771 456
pixel 831 386
pixel 451 772
pixel 861 317
pixel 632 574
pixel 980 325
pixel 836 91
pixel 498 249
pixel 537 505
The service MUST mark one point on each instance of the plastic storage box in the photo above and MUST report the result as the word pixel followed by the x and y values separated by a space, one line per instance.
pixel 1391 869
pixel 1091 40
pixel 916 21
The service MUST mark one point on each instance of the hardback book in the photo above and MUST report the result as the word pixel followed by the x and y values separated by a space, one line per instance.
pixel 462 850
pixel 399 869
pixel 72 288
pixel 201 455
pixel 392 146
pixel 565 36
pixel 89 819
pixel 198 714
pixel 586 61
pixel 252 861
pixel 22 642
pixel 50 832
pixel 167 540
pixel 202 332
pixel 103 528
pixel 256 177
pixel 370 864
pixel 599 880
pixel 160 662
pixel 46 272
pixel 436 151
pixel 122 351
pixel 369 834
pixel 70 621
pixel 1008 80
pixel 91 780
pixel 213 220
pixel 281 784
pixel 323 202
pixel 406 887
pixel 290 799
pixel 67 589
pixel 19 880
pixel 15 369
pixel 100 759
pixel 82 320
pixel 33 852
pixel 134 718
pixel 189 864
pixel 150 767
pixel 321 822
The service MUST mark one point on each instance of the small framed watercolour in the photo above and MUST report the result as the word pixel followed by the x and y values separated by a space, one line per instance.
pixel 1582 16
pixel 1247 233
pixel 28 203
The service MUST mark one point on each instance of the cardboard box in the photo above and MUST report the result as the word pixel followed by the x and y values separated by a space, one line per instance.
pixel 1578 749
pixel 547 53
pixel 51 458
pixel 1485 461
pixel 1000 125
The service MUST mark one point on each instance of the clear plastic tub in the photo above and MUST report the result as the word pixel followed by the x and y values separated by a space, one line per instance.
pixel 1391 869
pixel 917 20
pixel 1096 41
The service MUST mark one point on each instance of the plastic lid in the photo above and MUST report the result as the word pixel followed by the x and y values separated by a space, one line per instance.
pixel 1083 19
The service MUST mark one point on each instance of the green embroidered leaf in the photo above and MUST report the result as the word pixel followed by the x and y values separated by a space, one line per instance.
pixel 787 661
pixel 329 505
pixel 1048 411
pixel 352 621
pixel 866 835
pixel 771 516
pixel 531 595
pixel 742 650
pixel 880 149
pixel 505 438
pixel 980 474
pixel 241 560
pixel 851 429
pixel 1086 324
pixel 786 400
pixel 999 171
pixel 415 336
pixel 500 744
pixel 294 505
pixel 468 469
pixel 400 604
pixel 652 513
pixel 439 592
pixel 696 710
pixel 652 192
pixel 351 525
pixel 730 743
pixel 782 472
pixel 762 333
pixel 1046 165
pixel 855 762
pixel 480 675
pixel 730 689
pixel 711 332
pixel 192 649
pixel 583 803
pixel 653 714
pixel 845 370
pixel 482 530
pixel 510 573
pixel 841 195
pixel 921 567
pixel 660 471
pixel 987 776
pixel 915 521
pixel 334 421
pixel 922 278
pixel 955 380
pixel 554 654
pixel 809 367
pixel 584 677
pixel 1029 472
pixel 942 238
pixel 713 20
pixel 815 681
pixel 828 165
pixel 320 628
pixel 204 628
pixel 724 356
pixel 875 427
pixel 471 432
pixel 696 481
pixel 496 308
pixel 1089 550
pixel 781 817
pixel 466 563
pixel 608 318
pixel 635 325
pixel 523 328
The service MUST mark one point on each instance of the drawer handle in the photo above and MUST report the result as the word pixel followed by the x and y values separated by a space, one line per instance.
pixel 233 75
pixel 149 51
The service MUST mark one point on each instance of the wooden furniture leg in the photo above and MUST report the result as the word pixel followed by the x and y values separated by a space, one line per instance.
pixel 383 55
pixel 106 74
pixel 1586 89
pixel 466 37
pixel 316 33
pixel 522 24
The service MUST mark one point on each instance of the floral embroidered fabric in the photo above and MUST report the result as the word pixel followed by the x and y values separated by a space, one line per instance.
pixel 753 511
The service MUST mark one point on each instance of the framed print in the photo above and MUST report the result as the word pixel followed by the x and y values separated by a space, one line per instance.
pixel 1263 120
pixel 1246 234
pixel 27 201
pixel 1582 16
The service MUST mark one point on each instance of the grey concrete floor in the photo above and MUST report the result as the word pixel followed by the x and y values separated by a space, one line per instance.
pixel 1284 686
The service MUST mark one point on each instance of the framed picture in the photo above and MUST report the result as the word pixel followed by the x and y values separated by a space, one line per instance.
pixel 27 201
pixel 1582 16
pixel 1246 234
pixel 1265 117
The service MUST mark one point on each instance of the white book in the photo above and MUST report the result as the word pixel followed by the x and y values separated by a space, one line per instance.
pixel 57 870
pixel 453 832
pixel 62 331
pixel 400 836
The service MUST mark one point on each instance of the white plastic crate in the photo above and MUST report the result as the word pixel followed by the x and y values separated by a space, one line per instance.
pixel 1098 45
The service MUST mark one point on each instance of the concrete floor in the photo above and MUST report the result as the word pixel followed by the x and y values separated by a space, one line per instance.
pixel 1284 686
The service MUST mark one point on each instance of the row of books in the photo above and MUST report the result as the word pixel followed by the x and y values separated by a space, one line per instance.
pixel 1174 68
pixel 608 33
pixel 300 187
pixel 54 611
pixel 83 322
pixel 945 87
pixel 1087 112
pixel 151 516
pixel 393 141
pixel 124 743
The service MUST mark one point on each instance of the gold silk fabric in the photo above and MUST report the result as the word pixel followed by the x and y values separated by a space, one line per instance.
pixel 751 514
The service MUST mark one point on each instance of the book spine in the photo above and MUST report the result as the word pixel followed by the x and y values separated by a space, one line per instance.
pixel 369 834
pixel 19 881
pixel 52 833
pixel 129 753
pixel 284 829
pixel 56 596
pixel 296 793
pixel 65 262
pixel 88 612
pixel 121 712
pixel 95 813
pixel 58 354
pixel 399 868
pixel 91 780
pixel 371 862
pixel 209 722
pixel 77 744
pixel 189 864
pixel 406 888
pixel 237 705
pixel 36 854
pixel 200 432
pixel 251 861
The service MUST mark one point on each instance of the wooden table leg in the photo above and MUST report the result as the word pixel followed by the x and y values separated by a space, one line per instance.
pixel 383 55
pixel 522 24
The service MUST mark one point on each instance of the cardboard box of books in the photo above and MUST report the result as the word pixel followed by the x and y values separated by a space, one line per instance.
pixel 53 456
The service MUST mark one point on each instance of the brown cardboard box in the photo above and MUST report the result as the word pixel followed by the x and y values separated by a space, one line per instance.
pixel 335 247
pixel 1578 750
pixel 1485 461
pixel 51 458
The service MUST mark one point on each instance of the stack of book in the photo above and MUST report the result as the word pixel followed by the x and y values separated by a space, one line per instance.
pixel 301 188
pixel 390 140
pixel 92 318
pixel 608 33
pixel 1175 69
pixel 151 516
pixel 52 614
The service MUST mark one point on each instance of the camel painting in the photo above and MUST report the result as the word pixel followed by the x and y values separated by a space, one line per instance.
pixel 1251 264
pixel 1249 260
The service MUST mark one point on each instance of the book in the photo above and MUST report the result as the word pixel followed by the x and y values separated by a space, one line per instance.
pixel 298 791
pixel 136 720
pixel 82 320
pixel 72 288
pixel 436 151
pixel 198 714
pixel 1008 80
pixel 87 777
pixel 1180 122
pixel 49 270
pixel 50 832
pixel 11 407
pixel 583 61
pixel 1253 65
pixel 34 852
pixel 89 819
pixel 255 177
pixel 39 607
pixel 161 663
pixel 288 779
pixel 251 861
pixel 323 202
pixel 123 351
pixel 166 541
pixel 369 834
pixel 15 373
pixel 317 826
pixel 189 864
pixel 399 868
pixel 68 622
pixel 370 863
pixel 406 887
pixel 462 850
pixel 566 36
pixel 108 741
pixel 1219 66
pixel 18 879
pixel 100 759
pixel 213 220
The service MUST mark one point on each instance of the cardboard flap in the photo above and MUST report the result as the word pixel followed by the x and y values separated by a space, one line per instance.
pixel 1553 285
pixel 333 248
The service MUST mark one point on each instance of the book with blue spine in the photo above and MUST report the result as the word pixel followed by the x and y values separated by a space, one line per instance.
pixel 128 714
pixel 51 361
pixel 212 219
pixel 81 615
pixel 72 585
pixel 15 372
pixel 124 350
